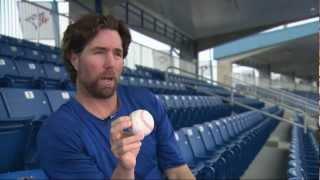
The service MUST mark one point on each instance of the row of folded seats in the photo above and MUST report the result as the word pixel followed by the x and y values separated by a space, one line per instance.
pixel 13 47
pixel 188 110
pixel 304 156
pixel 31 65
pixel 224 148
pixel 160 75
pixel 216 90
pixel 158 86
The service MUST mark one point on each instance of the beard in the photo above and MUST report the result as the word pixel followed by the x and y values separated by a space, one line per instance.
pixel 96 90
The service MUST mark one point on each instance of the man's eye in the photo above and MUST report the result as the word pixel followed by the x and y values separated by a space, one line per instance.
pixel 98 52
pixel 119 54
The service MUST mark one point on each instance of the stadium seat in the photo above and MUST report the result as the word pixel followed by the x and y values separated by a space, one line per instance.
pixel 32 54
pixel 14 137
pixel 57 98
pixel 11 51
pixel 200 169
pixel 18 102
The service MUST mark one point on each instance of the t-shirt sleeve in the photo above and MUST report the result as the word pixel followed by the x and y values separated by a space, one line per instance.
pixel 60 154
pixel 168 152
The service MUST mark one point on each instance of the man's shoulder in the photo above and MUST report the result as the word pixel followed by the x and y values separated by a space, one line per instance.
pixel 64 117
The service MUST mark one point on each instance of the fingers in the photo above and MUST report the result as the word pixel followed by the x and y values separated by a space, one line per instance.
pixel 130 139
pixel 121 123
pixel 118 126
pixel 122 150
pixel 127 144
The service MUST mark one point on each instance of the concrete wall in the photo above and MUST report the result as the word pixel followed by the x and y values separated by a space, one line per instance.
pixel 224 70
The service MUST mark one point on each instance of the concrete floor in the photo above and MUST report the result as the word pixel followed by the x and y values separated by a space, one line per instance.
pixel 271 162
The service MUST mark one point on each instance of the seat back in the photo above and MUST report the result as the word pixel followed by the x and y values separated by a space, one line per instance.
pixel 13 138
pixel 184 146
pixel 22 103
pixel 29 69
pixel 195 141
pixel 206 136
pixel 55 72
pixel 7 67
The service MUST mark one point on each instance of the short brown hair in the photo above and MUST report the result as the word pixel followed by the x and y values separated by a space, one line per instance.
pixel 80 33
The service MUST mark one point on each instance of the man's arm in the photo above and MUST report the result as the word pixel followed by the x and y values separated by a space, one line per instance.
pixel 180 172
pixel 125 147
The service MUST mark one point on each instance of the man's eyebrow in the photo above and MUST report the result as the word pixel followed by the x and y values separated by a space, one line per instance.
pixel 118 49
pixel 98 48
pixel 105 49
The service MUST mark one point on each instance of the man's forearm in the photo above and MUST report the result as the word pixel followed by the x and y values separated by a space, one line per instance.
pixel 181 172
pixel 122 173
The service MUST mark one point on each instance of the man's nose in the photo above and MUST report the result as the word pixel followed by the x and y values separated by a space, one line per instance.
pixel 109 60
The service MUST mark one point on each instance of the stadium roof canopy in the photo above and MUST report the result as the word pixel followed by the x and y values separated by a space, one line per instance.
pixel 212 22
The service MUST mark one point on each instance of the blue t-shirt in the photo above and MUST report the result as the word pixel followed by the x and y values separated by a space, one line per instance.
pixel 73 143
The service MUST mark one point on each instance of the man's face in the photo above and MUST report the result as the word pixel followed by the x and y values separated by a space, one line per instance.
pixel 100 64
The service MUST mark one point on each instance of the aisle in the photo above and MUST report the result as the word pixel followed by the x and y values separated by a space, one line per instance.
pixel 271 162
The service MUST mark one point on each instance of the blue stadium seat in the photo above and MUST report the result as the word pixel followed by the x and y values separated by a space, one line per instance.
pixel 57 98
pixel 52 57
pixel 55 72
pixel 30 69
pixel 200 169
pixel 18 103
pixel 14 137
pixel 11 51
pixel 33 54
pixel 124 80
pixel 55 77
pixel 7 70
pixel 29 73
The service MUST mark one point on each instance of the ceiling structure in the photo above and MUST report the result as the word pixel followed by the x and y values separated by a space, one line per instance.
pixel 295 58
pixel 210 23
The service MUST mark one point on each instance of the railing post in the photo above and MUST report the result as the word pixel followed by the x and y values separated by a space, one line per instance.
pixel 305 124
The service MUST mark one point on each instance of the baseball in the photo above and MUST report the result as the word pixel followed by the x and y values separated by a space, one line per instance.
pixel 142 121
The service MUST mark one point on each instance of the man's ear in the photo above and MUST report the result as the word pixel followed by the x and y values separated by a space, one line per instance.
pixel 74 59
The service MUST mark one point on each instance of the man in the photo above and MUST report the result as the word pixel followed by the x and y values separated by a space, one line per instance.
pixel 85 138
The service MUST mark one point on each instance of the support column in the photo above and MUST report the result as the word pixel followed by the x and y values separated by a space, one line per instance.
pixel 288 81
pixel 264 76
pixel 224 72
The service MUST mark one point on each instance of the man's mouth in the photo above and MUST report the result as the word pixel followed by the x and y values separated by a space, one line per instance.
pixel 108 81
pixel 107 78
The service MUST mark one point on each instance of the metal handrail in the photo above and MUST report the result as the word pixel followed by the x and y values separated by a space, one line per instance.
pixel 309 112
pixel 311 109
pixel 232 101
pixel 313 102
pixel 263 112
pixel 279 92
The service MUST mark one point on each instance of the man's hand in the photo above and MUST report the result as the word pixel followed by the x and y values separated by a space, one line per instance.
pixel 125 145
